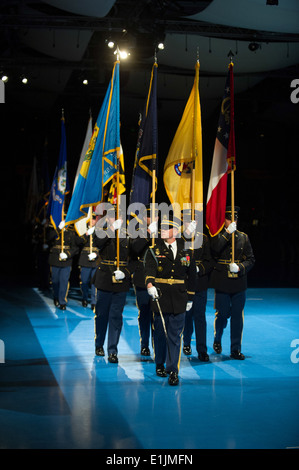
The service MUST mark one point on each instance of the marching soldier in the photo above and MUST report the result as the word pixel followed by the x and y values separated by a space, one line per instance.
pixel 88 261
pixel 229 280
pixel 204 265
pixel 63 248
pixel 170 270
pixel 112 284
pixel 139 247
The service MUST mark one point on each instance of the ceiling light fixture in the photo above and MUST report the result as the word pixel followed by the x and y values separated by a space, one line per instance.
pixel 110 43
pixel 159 39
pixel 123 54
pixel 253 46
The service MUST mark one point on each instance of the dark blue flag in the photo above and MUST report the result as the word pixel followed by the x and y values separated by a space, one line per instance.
pixel 60 184
pixel 146 158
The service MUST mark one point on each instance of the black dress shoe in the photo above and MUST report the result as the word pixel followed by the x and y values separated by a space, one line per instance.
pixel 56 303
pixel 84 303
pixel 217 347
pixel 203 357
pixel 145 352
pixel 62 307
pixel 100 351
pixel 112 358
pixel 173 378
pixel 187 350
pixel 160 370
pixel 237 355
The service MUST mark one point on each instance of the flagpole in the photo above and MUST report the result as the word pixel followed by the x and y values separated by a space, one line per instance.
pixel 233 212
pixel 62 212
pixel 117 212
pixel 232 177
pixel 90 226
pixel 153 211
pixel 194 147
pixel 62 230
pixel 90 242
pixel 117 195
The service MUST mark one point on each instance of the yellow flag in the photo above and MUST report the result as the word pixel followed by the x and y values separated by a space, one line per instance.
pixel 183 166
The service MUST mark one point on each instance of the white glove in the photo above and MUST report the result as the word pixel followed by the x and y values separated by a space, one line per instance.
pixel 62 256
pixel 232 227
pixel 119 275
pixel 234 268
pixel 153 227
pixel 189 306
pixel 92 256
pixel 192 226
pixel 117 224
pixel 90 231
pixel 152 291
pixel 61 225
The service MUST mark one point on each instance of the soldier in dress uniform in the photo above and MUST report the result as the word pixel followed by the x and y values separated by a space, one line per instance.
pixel 204 265
pixel 139 247
pixel 112 284
pixel 229 280
pixel 60 259
pixel 170 277
pixel 88 261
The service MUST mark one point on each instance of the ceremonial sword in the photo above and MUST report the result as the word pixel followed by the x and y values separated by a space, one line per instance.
pixel 156 299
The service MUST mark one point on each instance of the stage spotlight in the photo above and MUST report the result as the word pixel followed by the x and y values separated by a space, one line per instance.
pixel 4 78
pixel 110 43
pixel 123 54
pixel 85 81
pixel 253 46
pixel 24 80
pixel 159 40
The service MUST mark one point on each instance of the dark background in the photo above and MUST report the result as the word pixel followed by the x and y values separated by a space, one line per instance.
pixel 266 129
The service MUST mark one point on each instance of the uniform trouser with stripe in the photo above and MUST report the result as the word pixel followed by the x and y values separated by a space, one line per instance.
pixel 174 327
pixel 60 282
pixel 197 314
pixel 145 315
pixel 86 275
pixel 230 306
pixel 108 314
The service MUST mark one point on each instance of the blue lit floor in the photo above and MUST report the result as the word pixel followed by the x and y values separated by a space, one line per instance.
pixel 55 394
